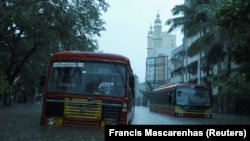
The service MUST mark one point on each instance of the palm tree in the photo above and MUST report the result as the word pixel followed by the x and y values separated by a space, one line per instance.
pixel 198 23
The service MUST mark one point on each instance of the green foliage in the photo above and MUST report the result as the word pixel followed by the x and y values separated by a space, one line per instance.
pixel 233 89
pixel 5 88
pixel 235 84
pixel 234 15
pixel 32 30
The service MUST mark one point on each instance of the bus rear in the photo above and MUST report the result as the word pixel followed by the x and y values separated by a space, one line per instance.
pixel 88 89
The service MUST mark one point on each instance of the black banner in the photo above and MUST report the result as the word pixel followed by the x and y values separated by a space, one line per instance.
pixel 164 132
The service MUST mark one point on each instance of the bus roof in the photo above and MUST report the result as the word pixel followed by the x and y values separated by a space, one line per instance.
pixel 169 86
pixel 92 56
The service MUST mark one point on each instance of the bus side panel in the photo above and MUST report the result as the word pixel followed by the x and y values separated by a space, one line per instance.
pixel 169 110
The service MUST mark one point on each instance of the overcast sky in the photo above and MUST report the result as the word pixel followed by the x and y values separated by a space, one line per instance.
pixel 127 26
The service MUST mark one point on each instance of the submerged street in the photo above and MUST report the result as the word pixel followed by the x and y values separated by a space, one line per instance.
pixel 145 117
pixel 21 122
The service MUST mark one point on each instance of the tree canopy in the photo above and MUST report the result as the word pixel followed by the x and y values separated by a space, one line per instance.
pixel 32 30
pixel 234 15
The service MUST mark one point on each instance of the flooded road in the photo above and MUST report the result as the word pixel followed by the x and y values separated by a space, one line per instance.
pixel 144 117
pixel 21 122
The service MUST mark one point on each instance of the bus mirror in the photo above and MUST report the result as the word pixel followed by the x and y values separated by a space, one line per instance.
pixel 132 82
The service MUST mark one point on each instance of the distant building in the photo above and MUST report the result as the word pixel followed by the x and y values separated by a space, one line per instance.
pixel 159 47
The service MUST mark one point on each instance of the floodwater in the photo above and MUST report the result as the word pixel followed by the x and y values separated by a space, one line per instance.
pixel 20 122
pixel 144 117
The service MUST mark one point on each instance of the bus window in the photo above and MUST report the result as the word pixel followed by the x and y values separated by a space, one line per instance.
pixel 190 95
pixel 182 95
pixel 66 79
pixel 87 78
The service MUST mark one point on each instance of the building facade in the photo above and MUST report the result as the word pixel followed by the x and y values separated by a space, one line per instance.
pixel 159 47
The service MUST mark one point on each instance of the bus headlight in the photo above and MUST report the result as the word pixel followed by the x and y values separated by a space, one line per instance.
pixel 50 121
pixel 55 121
pixel 124 107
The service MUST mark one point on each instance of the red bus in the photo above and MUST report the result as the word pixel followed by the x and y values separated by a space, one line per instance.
pixel 88 89
pixel 182 100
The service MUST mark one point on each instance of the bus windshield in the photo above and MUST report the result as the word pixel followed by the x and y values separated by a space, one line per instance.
pixel 192 96
pixel 87 78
